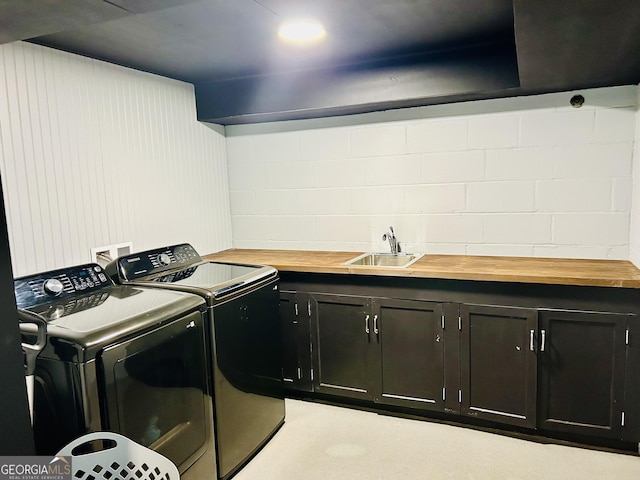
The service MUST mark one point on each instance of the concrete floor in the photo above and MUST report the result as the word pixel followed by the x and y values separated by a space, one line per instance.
pixel 331 443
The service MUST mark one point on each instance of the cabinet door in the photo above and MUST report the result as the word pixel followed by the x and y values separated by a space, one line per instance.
pixel 296 342
pixel 582 368
pixel 499 364
pixel 631 428
pixel 409 338
pixel 288 322
pixel 342 328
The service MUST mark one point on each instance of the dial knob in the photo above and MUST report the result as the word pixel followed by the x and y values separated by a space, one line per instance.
pixel 53 287
pixel 164 259
pixel 56 312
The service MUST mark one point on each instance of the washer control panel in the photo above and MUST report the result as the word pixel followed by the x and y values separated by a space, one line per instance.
pixel 52 286
pixel 151 262
pixel 175 276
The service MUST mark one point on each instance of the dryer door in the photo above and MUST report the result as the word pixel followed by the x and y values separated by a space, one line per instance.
pixel 155 389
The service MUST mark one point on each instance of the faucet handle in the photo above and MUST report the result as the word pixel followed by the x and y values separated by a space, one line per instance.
pixel 393 242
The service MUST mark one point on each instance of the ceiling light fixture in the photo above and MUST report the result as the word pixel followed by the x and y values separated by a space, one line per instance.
pixel 301 30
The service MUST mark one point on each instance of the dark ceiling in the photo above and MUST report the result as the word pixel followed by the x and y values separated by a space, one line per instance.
pixel 376 55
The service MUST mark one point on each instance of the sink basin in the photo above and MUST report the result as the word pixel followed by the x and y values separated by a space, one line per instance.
pixel 399 260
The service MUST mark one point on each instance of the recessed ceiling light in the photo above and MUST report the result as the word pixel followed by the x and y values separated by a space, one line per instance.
pixel 301 30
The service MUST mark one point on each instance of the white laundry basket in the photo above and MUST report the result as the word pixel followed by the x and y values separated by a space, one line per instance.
pixel 122 459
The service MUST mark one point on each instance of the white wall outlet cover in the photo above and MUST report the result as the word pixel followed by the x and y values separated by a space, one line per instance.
pixel 103 255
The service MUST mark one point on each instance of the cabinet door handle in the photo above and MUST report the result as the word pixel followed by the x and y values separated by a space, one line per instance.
pixel 542 340
pixel 366 324
pixel 375 325
pixel 531 346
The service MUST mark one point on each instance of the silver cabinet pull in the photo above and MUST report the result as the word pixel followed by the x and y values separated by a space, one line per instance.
pixel 375 325
pixel 542 340
pixel 366 324
pixel 531 346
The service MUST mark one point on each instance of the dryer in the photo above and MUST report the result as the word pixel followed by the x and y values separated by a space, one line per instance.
pixel 120 358
pixel 244 341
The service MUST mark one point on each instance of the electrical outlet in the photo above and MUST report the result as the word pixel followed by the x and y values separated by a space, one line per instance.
pixel 103 255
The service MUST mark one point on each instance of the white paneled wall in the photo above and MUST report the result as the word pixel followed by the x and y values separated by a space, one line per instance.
pixel 634 253
pixel 94 154
pixel 527 176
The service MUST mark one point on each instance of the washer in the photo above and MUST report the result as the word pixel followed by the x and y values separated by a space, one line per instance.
pixel 120 358
pixel 244 338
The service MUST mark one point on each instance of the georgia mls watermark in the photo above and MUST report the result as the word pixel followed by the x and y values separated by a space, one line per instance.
pixel 35 468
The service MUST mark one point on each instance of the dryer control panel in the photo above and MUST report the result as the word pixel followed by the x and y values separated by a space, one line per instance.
pixel 152 262
pixel 52 286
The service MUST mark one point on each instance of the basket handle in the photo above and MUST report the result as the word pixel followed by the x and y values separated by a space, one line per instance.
pixel 91 437
pixel 122 446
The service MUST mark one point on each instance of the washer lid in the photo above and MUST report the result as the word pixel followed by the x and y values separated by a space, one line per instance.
pixel 180 267
pixel 113 312
pixel 218 278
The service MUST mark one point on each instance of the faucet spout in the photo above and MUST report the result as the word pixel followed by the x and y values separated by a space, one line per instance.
pixel 393 242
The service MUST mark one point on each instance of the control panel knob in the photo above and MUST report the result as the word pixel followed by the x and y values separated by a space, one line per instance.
pixel 164 259
pixel 53 287
pixel 56 312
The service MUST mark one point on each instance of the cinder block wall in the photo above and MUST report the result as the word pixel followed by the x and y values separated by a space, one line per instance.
pixel 634 247
pixel 527 176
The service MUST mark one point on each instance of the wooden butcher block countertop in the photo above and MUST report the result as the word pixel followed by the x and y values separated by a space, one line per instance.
pixel 560 271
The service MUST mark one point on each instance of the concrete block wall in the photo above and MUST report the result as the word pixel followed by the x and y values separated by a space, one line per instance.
pixel 634 247
pixel 527 176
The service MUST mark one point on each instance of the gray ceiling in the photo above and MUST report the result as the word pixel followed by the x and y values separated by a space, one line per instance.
pixel 377 54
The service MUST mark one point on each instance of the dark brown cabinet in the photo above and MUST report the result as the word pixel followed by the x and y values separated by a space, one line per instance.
pixel 499 363
pixel 343 345
pixel 385 350
pixel 288 322
pixel 582 370
pixel 296 343
pixel 410 346
pixel 513 360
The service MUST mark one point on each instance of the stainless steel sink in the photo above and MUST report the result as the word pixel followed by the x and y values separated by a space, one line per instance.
pixel 398 260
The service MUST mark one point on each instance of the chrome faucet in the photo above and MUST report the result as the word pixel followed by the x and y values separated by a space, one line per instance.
pixel 393 242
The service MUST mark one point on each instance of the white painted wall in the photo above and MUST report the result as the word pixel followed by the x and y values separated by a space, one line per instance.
pixel 526 176
pixel 634 247
pixel 93 154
